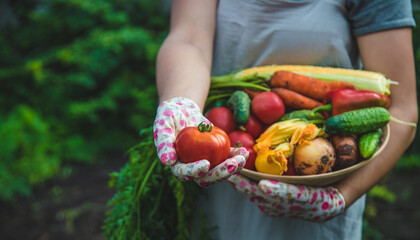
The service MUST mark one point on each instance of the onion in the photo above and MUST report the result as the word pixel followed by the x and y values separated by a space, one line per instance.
pixel 314 157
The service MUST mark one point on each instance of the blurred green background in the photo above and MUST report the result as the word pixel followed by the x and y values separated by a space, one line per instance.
pixel 77 85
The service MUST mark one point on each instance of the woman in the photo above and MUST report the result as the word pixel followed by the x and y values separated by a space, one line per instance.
pixel 209 37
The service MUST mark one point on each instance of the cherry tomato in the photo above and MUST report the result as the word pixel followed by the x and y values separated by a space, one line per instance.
pixel 254 126
pixel 202 142
pixel 241 139
pixel 268 107
pixel 250 162
pixel 222 117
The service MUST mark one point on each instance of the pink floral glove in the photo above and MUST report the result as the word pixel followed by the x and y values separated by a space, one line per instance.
pixel 172 116
pixel 286 200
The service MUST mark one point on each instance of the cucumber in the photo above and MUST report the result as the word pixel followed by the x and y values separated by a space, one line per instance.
pixel 240 104
pixel 357 121
pixel 369 142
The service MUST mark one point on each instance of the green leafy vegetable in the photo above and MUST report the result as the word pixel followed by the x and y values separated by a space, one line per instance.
pixel 150 203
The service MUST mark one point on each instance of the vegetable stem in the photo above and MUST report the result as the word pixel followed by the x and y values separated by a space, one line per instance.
pixel 204 127
pixel 215 97
pixel 317 121
pixel 222 78
pixel 146 178
pixel 403 122
pixel 239 84
pixel 326 108
pixel 156 206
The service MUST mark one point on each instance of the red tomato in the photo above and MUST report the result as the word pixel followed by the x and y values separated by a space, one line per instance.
pixel 268 107
pixel 202 142
pixel 250 162
pixel 222 117
pixel 242 138
pixel 254 126
pixel 291 170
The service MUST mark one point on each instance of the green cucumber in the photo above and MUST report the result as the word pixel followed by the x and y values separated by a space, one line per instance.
pixel 369 142
pixel 240 104
pixel 357 121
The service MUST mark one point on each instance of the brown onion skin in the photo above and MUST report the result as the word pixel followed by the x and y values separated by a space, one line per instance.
pixel 315 157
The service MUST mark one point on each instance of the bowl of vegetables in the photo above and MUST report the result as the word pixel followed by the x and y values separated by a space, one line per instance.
pixel 322 179
pixel 303 124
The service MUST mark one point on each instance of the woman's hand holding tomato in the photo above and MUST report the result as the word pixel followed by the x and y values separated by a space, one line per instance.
pixel 174 115
pixel 202 142
pixel 266 108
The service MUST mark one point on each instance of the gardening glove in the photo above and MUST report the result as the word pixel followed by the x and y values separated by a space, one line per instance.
pixel 279 199
pixel 174 115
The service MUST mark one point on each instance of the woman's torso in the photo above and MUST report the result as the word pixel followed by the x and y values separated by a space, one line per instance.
pixel 265 32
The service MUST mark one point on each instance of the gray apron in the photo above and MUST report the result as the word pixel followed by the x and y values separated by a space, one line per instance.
pixel 265 32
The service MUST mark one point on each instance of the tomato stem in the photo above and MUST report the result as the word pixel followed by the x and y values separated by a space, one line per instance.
pixel 205 127
pixel 242 128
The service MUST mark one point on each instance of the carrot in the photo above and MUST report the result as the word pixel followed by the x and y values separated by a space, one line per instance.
pixel 305 85
pixel 296 100
pixel 251 93
pixel 338 85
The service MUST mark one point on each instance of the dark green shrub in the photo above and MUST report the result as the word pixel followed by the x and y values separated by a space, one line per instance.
pixel 77 80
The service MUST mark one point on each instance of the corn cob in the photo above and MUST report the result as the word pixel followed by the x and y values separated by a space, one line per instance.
pixel 361 79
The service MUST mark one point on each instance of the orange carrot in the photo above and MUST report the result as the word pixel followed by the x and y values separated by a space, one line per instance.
pixel 251 93
pixel 338 85
pixel 305 85
pixel 295 100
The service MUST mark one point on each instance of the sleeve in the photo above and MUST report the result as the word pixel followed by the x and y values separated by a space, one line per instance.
pixel 367 16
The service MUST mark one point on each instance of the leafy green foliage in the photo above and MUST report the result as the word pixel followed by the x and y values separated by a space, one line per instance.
pixel 370 232
pixel 27 155
pixel 77 79
pixel 381 192
pixel 150 202
pixel 409 162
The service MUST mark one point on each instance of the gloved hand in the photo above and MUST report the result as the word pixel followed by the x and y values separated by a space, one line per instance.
pixel 279 199
pixel 172 116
